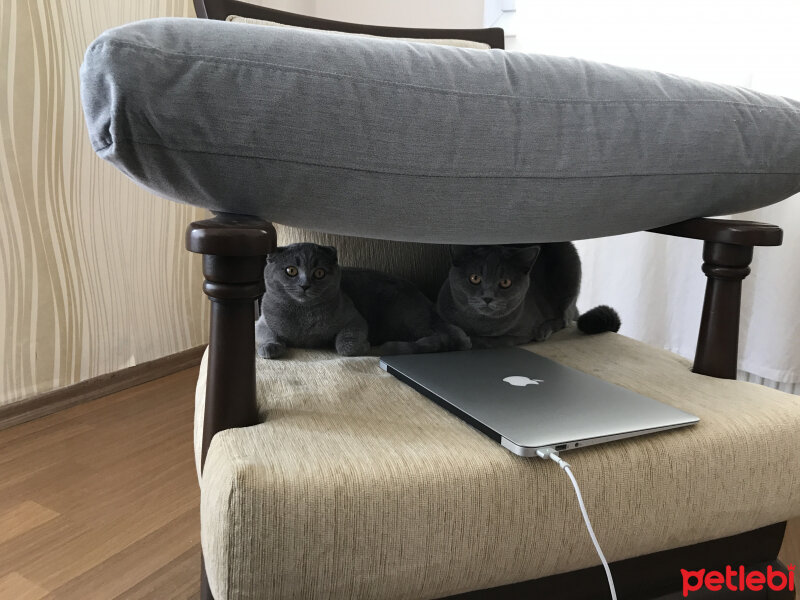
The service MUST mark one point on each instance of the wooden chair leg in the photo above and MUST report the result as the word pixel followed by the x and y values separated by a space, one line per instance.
pixel 727 253
pixel 725 265
pixel 234 250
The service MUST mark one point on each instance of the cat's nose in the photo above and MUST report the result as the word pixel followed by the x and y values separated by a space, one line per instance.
pixel 487 299
pixel 305 286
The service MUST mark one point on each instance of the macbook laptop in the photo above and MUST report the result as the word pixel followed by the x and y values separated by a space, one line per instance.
pixel 525 401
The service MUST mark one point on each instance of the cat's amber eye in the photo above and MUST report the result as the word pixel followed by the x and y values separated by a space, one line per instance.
pixel 474 279
pixel 291 271
pixel 318 273
pixel 505 283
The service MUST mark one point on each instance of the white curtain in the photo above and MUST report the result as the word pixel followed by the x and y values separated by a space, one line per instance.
pixel 655 281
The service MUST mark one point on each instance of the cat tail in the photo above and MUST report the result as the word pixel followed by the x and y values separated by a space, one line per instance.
pixel 599 319
pixel 444 337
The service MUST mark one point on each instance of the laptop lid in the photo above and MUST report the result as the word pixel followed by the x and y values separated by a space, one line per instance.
pixel 525 401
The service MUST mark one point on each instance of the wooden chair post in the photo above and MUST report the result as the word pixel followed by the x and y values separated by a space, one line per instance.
pixel 727 252
pixel 725 265
pixel 234 249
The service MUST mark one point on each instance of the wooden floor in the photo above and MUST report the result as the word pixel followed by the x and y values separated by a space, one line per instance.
pixel 100 501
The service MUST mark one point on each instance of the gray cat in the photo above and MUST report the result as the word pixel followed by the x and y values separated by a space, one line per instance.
pixel 504 296
pixel 303 306
pixel 311 302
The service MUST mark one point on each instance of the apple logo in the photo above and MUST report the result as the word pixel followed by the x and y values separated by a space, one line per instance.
pixel 520 381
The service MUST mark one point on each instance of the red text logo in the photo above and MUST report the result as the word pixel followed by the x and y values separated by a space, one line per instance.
pixel 737 580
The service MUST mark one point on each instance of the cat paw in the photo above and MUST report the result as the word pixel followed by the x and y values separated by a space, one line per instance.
pixel 548 328
pixel 351 346
pixel 461 341
pixel 395 348
pixel 271 350
pixel 480 343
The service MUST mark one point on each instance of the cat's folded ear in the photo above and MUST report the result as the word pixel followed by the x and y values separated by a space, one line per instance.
pixel 526 257
pixel 331 252
pixel 274 254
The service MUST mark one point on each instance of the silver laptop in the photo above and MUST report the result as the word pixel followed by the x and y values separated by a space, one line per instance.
pixel 525 401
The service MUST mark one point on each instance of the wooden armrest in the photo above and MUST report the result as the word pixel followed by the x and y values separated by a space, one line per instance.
pixel 231 235
pixel 741 233
pixel 727 252
pixel 234 249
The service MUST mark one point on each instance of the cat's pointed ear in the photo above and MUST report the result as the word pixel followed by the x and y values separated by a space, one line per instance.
pixel 457 252
pixel 274 254
pixel 526 257
pixel 331 251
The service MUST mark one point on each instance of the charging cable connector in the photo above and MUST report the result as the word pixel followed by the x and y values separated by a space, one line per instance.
pixel 552 454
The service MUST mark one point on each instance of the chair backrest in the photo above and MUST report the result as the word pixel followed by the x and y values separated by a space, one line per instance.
pixel 424 264
pixel 220 10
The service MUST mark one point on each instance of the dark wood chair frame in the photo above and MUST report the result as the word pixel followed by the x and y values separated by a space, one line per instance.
pixel 234 248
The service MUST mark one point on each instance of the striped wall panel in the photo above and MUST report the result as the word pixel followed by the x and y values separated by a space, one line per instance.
pixel 790 388
pixel 93 274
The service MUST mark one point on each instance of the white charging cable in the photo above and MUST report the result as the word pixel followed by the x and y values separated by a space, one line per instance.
pixel 553 455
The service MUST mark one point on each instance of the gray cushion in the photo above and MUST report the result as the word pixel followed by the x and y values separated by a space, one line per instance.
pixel 411 141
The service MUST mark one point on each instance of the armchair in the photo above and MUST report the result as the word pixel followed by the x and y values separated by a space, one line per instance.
pixel 234 248
pixel 321 478
pixel 230 394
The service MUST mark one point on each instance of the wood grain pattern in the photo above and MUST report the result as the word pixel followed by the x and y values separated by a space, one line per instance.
pixel 93 275
pixel 96 387
pixel 16 586
pixel 22 518
pixel 101 500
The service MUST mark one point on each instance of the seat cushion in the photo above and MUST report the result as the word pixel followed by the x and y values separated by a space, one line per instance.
pixel 401 140
pixel 356 486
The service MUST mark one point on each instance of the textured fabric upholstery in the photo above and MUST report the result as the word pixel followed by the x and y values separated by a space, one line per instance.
pixel 438 42
pixel 382 138
pixel 358 487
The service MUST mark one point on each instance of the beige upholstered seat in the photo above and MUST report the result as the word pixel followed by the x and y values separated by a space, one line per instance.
pixel 356 486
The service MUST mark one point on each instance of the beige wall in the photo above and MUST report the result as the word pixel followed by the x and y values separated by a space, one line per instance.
pixel 93 275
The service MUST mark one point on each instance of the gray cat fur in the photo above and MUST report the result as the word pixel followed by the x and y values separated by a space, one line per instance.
pixel 350 309
pixel 304 312
pixel 545 281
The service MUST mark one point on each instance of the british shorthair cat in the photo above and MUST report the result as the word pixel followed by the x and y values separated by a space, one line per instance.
pixel 312 302
pixel 505 295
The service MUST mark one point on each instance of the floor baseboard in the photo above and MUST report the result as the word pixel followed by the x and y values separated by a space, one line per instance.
pixel 96 387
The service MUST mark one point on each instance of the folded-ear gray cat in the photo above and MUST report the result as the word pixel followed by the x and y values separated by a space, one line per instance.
pixel 303 306
pixel 311 302
pixel 503 296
